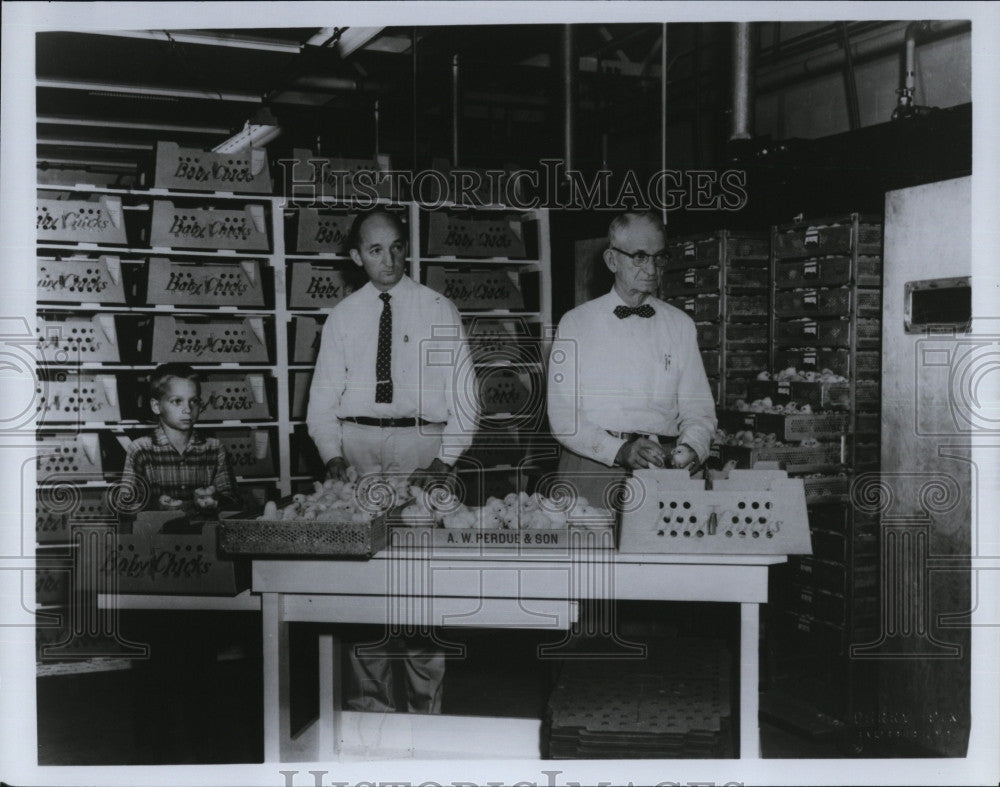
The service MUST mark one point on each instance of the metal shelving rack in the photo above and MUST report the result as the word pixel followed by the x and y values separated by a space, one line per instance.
pixel 286 474
pixel 829 271
pixel 739 285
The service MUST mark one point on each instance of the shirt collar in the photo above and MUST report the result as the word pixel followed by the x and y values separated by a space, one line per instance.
pixel 160 437
pixel 401 287
pixel 616 300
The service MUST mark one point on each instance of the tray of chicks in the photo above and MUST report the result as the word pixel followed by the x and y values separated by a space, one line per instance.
pixel 745 449
pixel 437 518
pixel 338 519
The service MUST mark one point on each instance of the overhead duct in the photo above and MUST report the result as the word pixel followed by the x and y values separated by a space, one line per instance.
pixel 742 82
pixel 905 106
pixel 882 43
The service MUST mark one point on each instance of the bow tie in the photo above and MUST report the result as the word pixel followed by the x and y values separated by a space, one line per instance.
pixel 621 312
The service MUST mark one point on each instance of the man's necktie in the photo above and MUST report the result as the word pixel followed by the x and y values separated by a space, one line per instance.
pixel 621 312
pixel 383 360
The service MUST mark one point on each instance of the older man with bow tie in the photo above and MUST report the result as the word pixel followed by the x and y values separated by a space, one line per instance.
pixel 637 395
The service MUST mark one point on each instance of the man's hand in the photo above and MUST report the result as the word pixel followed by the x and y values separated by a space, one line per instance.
pixel 336 469
pixel 436 472
pixel 640 453
pixel 683 457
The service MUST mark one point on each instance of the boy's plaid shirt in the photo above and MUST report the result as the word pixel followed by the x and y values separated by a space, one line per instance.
pixel 153 467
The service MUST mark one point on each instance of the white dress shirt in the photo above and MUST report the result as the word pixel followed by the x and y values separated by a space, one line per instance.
pixel 432 373
pixel 627 375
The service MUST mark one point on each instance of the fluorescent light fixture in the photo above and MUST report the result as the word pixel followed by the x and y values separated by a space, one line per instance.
pixel 208 39
pixel 350 40
pixel 256 133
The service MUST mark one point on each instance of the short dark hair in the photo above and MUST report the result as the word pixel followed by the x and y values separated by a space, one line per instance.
pixel 166 372
pixel 354 234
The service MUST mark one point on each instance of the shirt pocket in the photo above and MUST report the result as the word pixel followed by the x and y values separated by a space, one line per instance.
pixel 666 377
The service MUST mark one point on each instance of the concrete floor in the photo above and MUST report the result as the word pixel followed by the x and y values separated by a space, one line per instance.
pixel 88 719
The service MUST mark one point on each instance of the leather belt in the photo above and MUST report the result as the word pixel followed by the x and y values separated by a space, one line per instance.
pixel 668 441
pixel 389 423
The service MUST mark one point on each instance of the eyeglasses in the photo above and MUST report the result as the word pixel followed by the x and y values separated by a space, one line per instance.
pixel 641 258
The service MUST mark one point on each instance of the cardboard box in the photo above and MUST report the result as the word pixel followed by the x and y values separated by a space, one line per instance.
pixel 149 561
pixel 81 280
pixel 209 228
pixel 81 221
pixel 505 391
pixel 194 169
pixel 202 339
pixel 305 339
pixel 68 339
pixel 235 397
pixel 56 506
pixel 512 341
pixel 250 451
pixel 48 174
pixel 52 586
pixel 76 397
pixel 477 289
pixel 65 456
pixel 322 232
pixel 324 177
pixel 317 286
pixel 461 236
pixel 205 283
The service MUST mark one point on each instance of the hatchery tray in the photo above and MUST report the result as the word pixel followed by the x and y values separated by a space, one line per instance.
pixel 244 535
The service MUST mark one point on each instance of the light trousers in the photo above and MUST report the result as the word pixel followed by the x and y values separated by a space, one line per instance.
pixel 370 685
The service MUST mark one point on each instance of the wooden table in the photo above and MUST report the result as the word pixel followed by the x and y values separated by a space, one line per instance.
pixel 436 587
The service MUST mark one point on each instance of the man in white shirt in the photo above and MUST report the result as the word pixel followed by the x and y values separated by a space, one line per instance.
pixel 637 395
pixel 392 393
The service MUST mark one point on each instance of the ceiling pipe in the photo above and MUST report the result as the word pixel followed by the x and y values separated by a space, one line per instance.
pixel 742 82
pixel 568 66
pixel 883 43
pixel 147 91
pixel 130 124
pixel 455 108
pixel 851 85
pixel 905 104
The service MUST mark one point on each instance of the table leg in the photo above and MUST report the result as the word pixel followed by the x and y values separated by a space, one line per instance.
pixel 330 695
pixel 277 720
pixel 749 671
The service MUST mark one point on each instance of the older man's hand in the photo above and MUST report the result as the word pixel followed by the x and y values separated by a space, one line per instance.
pixel 641 453
pixel 437 472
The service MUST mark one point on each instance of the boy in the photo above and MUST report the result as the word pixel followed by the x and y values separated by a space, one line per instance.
pixel 176 467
